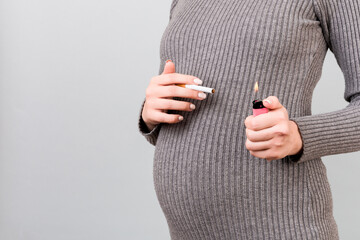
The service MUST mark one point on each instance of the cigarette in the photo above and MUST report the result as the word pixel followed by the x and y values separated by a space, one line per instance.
pixel 196 87
pixel 259 108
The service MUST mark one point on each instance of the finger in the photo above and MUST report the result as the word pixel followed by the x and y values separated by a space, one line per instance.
pixel 265 154
pixel 176 91
pixel 169 67
pixel 177 78
pixel 272 103
pixel 260 154
pixel 162 117
pixel 248 121
pixel 167 104
pixel 261 135
pixel 257 146
pixel 267 120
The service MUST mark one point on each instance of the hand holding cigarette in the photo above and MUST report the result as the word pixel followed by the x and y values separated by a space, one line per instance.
pixel 272 135
pixel 160 93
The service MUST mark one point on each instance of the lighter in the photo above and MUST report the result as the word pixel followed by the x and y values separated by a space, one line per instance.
pixel 259 108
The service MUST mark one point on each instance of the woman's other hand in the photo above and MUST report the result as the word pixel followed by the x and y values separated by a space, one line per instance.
pixel 160 93
pixel 272 135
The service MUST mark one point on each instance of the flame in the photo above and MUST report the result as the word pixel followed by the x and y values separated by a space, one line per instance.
pixel 256 87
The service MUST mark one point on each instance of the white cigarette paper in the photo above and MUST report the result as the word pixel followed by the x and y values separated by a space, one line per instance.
pixel 199 88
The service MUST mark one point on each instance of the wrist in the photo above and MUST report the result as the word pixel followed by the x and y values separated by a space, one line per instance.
pixel 149 126
pixel 296 139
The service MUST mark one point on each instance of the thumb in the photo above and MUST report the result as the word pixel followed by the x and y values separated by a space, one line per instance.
pixel 169 67
pixel 272 103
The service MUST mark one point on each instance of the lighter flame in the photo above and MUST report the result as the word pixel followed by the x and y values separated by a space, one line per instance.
pixel 256 88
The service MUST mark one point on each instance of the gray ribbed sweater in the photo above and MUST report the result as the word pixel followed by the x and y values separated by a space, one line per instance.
pixel 208 184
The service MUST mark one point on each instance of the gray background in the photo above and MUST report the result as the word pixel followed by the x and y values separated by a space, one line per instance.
pixel 73 74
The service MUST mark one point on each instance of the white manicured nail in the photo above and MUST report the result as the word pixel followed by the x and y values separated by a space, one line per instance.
pixel 202 95
pixel 198 81
pixel 267 100
pixel 181 118
pixel 192 106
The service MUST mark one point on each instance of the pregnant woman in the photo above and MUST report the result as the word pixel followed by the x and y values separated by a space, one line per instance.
pixel 222 173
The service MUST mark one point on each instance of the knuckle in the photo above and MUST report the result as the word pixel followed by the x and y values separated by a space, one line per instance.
pixel 247 132
pixel 283 130
pixel 148 92
pixel 246 122
pixel 280 133
pixel 274 98
pixel 273 155
pixel 253 124
pixel 153 79
pixel 172 90
pixel 247 144
pixel 278 142
pixel 170 77
pixel 149 102
pixel 145 114
pixel 171 119
pixel 286 131
pixel 284 115
pixel 249 135
pixel 168 105
pixel 281 116
pixel 162 119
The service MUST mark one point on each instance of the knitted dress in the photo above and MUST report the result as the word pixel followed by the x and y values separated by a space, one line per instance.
pixel 207 183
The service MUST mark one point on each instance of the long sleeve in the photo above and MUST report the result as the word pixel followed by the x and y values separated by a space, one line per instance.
pixel 338 131
pixel 151 136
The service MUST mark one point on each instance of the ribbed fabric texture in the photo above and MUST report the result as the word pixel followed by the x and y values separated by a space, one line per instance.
pixel 208 184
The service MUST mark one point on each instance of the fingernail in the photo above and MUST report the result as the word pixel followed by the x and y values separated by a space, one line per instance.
pixel 192 106
pixel 202 95
pixel 198 81
pixel 168 61
pixel 181 118
pixel 267 100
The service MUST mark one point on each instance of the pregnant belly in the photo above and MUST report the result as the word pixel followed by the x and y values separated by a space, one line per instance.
pixel 196 176
pixel 205 176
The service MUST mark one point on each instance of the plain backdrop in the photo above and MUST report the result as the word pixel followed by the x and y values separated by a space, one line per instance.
pixel 73 165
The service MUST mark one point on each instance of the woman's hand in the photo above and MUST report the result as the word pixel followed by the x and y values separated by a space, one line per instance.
pixel 159 96
pixel 272 135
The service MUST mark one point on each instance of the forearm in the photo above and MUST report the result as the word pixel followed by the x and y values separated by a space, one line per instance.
pixel 329 133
